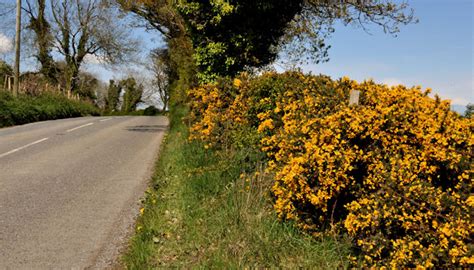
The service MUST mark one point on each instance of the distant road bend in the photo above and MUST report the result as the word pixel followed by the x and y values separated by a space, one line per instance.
pixel 69 189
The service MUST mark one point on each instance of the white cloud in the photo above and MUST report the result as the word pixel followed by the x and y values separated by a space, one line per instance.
pixel 457 101
pixel 6 43
pixel 92 59
pixel 391 81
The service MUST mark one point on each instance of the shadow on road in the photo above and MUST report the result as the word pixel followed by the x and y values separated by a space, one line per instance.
pixel 147 128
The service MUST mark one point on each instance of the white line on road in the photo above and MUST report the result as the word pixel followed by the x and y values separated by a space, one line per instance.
pixel 23 147
pixel 72 129
pixel 106 119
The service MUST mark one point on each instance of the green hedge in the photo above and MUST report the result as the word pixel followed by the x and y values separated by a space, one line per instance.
pixel 26 109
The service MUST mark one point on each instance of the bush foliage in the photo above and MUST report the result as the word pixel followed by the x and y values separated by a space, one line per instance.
pixel 151 111
pixel 394 172
pixel 47 106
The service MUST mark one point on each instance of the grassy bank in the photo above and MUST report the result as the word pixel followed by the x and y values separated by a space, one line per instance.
pixel 26 109
pixel 202 211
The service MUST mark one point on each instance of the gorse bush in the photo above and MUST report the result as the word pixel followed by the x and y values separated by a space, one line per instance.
pixel 395 172
pixel 225 114
pixel 47 106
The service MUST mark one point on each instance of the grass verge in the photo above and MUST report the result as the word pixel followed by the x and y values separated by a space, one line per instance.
pixel 25 109
pixel 202 212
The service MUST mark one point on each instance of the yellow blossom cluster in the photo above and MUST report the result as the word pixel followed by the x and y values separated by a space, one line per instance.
pixel 395 172
pixel 215 111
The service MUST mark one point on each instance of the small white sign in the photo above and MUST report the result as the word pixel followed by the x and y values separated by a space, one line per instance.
pixel 354 97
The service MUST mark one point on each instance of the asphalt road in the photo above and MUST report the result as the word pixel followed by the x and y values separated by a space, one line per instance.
pixel 70 189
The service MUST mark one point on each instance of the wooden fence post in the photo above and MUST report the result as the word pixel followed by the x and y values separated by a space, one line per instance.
pixel 9 83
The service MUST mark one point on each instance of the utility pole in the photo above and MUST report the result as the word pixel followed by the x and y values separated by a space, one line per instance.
pixel 16 83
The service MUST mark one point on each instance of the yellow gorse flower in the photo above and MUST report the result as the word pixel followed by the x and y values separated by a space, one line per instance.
pixel 395 172
pixel 237 82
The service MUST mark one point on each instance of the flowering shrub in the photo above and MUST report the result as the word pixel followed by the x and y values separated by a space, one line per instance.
pixel 394 172
pixel 219 113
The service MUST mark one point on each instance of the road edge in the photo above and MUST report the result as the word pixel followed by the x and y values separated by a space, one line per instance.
pixel 116 244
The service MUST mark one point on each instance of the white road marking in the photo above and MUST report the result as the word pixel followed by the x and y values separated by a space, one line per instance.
pixel 106 119
pixel 72 129
pixel 23 147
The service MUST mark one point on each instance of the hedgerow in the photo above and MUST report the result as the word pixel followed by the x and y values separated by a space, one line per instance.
pixel 47 106
pixel 394 172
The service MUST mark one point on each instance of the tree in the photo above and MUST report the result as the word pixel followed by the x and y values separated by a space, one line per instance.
pixel 76 29
pixel 163 16
pixel 43 39
pixel 469 110
pixel 230 36
pixel 162 71
pixel 86 28
pixel 100 94
pixel 132 94
pixel 113 96
pixel 86 82
pixel 87 86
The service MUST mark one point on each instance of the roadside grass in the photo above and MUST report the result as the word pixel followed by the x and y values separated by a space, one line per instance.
pixel 25 109
pixel 202 212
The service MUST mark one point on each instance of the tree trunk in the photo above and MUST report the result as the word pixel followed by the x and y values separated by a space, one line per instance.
pixel 42 30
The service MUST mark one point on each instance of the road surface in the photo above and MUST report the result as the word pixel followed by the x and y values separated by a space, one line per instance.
pixel 70 189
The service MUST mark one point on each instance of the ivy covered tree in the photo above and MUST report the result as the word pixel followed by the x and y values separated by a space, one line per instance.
pixel 469 110
pixel 230 36
pixel 163 16
pixel 43 38
pixel 74 30
pixel 162 74
pixel 113 96
pixel 132 94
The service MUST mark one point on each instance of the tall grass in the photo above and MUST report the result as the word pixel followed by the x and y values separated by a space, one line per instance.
pixel 203 211
pixel 48 106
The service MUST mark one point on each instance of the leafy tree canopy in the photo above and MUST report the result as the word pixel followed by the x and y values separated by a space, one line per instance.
pixel 229 36
pixel 132 94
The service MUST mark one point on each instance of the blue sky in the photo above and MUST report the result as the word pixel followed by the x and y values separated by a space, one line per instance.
pixel 437 52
